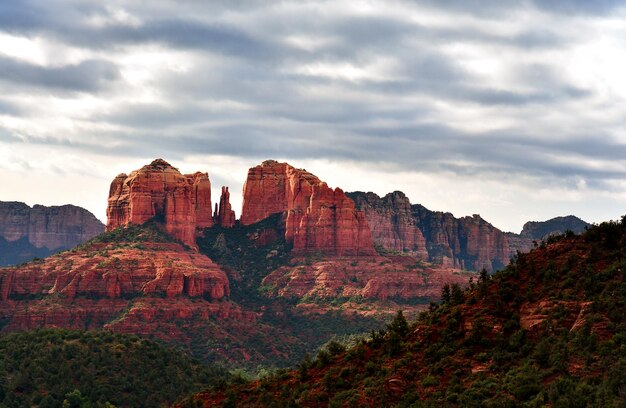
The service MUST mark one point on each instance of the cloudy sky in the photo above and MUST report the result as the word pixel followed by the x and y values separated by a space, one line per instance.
pixel 511 109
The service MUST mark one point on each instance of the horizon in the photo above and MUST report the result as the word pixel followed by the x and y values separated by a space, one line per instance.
pixel 216 191
pixel 511 111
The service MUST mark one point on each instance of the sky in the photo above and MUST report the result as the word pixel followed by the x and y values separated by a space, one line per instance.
pixel 512 110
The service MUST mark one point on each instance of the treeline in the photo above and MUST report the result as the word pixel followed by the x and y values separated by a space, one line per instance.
pixel 62 368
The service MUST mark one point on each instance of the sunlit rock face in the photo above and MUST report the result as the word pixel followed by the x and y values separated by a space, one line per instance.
pixel 317 218
pixel 160 191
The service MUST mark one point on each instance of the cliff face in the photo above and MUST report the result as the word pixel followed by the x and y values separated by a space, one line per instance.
pixel 466 243
pixel 27 232
pixel 543 229
pixel 469 242
pixel 317 218
pixel 182 202
pixel 400 278
pixel 391 222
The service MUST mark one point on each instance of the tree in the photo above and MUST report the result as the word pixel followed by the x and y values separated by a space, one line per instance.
pixel 445 294
pixel 75 399
pixel 399 325
pixel 456 294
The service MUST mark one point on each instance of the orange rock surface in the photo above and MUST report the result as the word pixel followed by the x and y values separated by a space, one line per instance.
pixel 392 223
pixel 163 269
pixel 159 190
pixel 144 288
pixel 376 278
pixel 317 218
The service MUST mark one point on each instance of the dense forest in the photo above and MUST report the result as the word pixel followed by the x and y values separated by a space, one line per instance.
pixel 63 368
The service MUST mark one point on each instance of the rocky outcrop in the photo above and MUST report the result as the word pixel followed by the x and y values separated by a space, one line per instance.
pixel 159 191
pixel 162 269
pixel 106 284
pixel 462 243
pixel 317 218
pixel 543 229
pixel 224 215
pixel 467 243
pixel 398 278
pixel 391 222
pixel 27 232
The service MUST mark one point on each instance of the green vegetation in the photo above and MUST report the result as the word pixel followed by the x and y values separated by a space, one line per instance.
pixel 148 232
pixel 253 251
pixel 63 368
pixel 548 330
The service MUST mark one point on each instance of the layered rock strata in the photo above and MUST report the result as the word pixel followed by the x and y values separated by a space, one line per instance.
pixel 317 218
pixel 462 243
pixel 162 269
pixel 398 278
pixel 391 222
pixel 159 191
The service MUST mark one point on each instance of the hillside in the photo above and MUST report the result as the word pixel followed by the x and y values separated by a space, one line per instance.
pixel 549 329
pixel 44 368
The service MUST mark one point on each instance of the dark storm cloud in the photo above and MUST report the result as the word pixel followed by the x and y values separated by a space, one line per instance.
pixel 88 76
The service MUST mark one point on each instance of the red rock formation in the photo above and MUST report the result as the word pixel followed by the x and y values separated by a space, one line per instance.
pixel 224 215
pixel 202 199
pixel 467 243
pixel 462 243
pixel 141 288
pixel 486 246
pixel 159 190
pixel 53 228
pixel 150 269
pixel 391 222
pixel 379 278
pixel 317 217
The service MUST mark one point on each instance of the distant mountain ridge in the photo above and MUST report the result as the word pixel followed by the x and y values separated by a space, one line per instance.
pixel 26 233
pixel 557 225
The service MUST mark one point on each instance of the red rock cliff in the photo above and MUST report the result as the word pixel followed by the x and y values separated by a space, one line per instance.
pixel 391 222
pixel 465 243
pixel 317 217
pixel 182 202
pixel 26 233
pixel 468 243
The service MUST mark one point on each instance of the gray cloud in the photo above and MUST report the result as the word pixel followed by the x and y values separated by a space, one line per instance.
pixel 300 81
pixel 88 76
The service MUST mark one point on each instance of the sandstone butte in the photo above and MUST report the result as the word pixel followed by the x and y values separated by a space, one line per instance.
pixel 158 190
pixel 317 218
